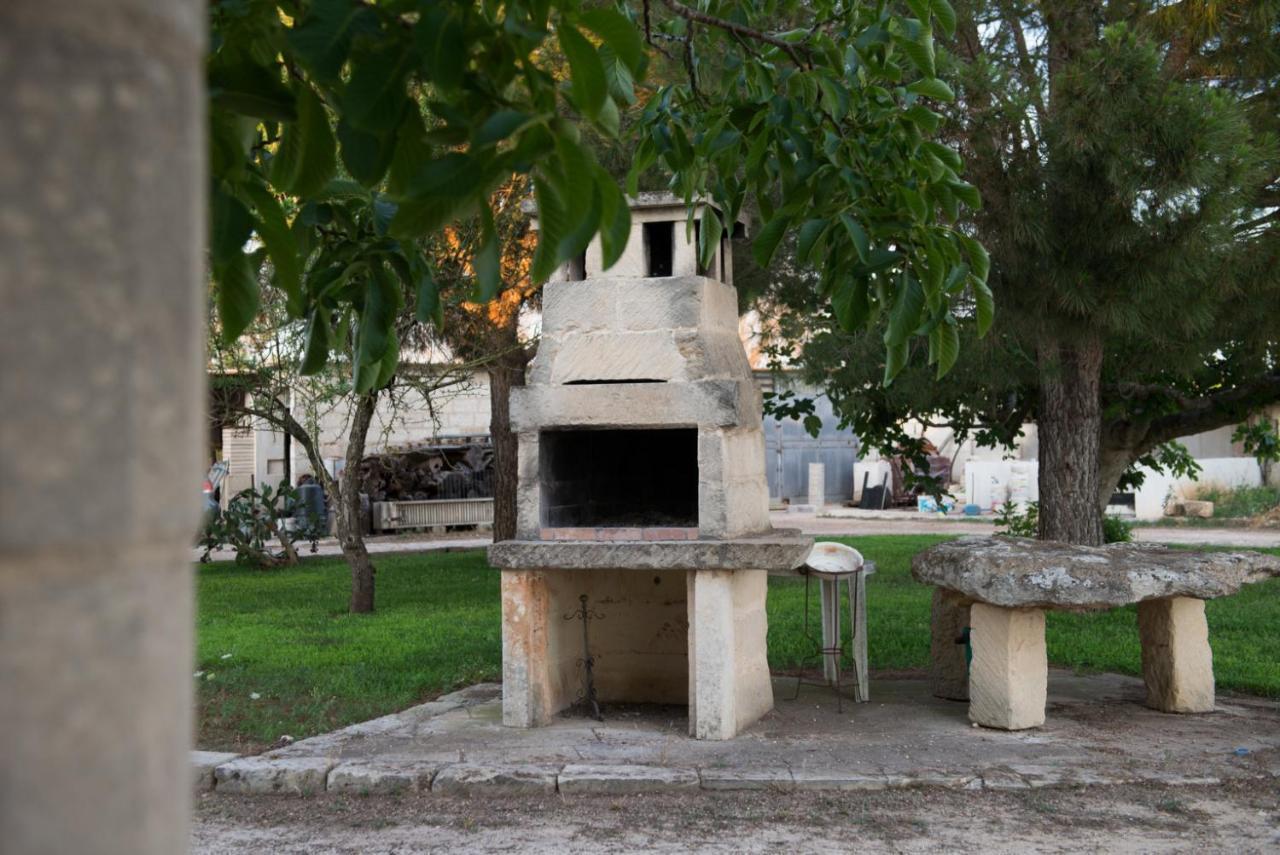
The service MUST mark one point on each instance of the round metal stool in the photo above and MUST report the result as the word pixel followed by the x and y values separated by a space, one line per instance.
pixel 831 564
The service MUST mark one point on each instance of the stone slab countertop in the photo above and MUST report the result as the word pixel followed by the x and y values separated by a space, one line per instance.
pixel 777 551
pixel 1017 572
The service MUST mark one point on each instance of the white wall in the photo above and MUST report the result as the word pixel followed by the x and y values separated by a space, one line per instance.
pixel 1224 472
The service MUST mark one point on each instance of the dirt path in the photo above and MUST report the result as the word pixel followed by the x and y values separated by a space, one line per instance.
pixel 1121 819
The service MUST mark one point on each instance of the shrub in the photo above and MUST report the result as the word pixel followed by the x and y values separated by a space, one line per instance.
pixel 252 520
pixel 1026 523
pixel 1239 501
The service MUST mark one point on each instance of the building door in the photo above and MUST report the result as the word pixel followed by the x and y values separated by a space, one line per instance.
pixel 789 449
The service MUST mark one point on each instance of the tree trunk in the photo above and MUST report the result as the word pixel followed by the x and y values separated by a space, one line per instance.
pixel 1070 425
pixel 1112 463
pixel 350 529
pixel 505 374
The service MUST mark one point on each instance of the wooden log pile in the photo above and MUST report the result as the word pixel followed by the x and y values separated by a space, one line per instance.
pixel 463 471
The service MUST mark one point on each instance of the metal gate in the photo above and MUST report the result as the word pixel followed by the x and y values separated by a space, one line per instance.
pixel 789 450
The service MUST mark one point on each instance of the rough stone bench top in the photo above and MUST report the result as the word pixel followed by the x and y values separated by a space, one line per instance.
pixel 777 551
pixel 1017 572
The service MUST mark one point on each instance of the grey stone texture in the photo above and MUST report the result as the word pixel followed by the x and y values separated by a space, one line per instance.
pixel 613 780
pixel 772 553
pixel 1021 573
pixel 381 778
pixel 204 762
pixel 102 226
pixel 472 778
pixel 905 739
pixel 267 774
pixel 948 664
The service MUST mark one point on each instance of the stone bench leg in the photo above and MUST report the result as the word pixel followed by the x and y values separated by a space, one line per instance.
pixel 1177 663
pixel 948 670
pixel 1008 680
pixel 729 682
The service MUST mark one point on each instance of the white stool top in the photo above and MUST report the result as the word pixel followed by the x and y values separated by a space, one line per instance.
pixel 835 561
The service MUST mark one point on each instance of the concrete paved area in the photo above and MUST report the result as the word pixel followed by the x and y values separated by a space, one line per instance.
pixel 1097 732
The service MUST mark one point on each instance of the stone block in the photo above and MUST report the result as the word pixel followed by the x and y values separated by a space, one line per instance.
pixel 729 682
pixel 264 774
pixel 660 304
pixel 527 696
pixel 381 778
pixel 1196 508
pixel 824 779
pixel 817 484
pixel 204 762
pixel 1177 662
pixel 463 779
pixel 778 780
pixel 579 779
pixel 1008 678
pixel 705 403
pixel 605 357
pixel 948 667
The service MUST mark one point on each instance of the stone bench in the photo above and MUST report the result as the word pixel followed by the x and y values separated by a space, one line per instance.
pixel 1000 587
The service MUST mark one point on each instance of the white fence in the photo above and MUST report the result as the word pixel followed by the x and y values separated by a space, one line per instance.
pixel 390 516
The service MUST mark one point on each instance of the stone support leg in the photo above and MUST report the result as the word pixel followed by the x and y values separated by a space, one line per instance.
pixel 1008 680
pixel 948 666
pixel 729 684
pixel 1177 663
pixel 528 669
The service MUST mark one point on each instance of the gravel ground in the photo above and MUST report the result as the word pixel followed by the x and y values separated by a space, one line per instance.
pixel 1118 819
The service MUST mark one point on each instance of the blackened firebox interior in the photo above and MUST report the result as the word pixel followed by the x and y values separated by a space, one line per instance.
pixel 660 248
pixel 605 478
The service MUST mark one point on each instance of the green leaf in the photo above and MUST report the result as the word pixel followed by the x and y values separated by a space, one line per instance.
pixel 985 305
pixel 966 193
pixel 389 363
pixel 307 155
pixel 895 359
pixel 365 155
pixel 374 100
pixel 237 294
pixel 323 37
pixel 442 43
pixel 858 235
pixel 915 203
pixel 273 230
pixel 487 263
pixel 926 119
pixel 944 153
pixel 932 87
pixel 919 8
pixel 374 334
pixel 978 258
pixel 552 225
pixel 500 125
pixel 239 84
pixel 709 234
pixel 851 302
pixel 615 221
pixel 766 242
pixel 230 225
pixel 944 342
pixel 318 342
pixel 588 83
pixel 620 35
pixel 945 14
pixel 809 234
pixel 905 316
pixel 622 86
pixel 920 51
pixel 430 309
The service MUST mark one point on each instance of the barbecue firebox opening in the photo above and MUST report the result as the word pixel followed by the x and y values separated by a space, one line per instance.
pixel 628 477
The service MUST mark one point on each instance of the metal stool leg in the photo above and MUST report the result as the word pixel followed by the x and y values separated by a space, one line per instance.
pixel 830 629
pixel 858 619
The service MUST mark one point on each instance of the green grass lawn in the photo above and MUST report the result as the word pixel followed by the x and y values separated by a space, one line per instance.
pixel 286 637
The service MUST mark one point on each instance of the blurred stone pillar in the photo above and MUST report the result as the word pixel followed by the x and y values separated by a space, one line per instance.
pixel 102 177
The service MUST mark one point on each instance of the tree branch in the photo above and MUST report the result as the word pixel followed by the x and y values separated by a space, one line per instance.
pixel 737 29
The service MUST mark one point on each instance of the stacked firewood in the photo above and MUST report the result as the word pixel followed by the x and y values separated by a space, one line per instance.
pixel 431 472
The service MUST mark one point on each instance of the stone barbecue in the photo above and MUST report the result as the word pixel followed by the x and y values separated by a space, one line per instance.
pixel 641 488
